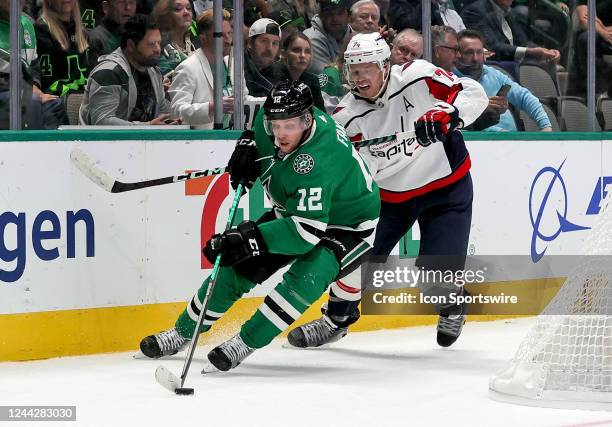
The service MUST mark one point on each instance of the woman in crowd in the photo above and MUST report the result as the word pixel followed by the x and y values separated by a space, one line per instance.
pixel 297 55
pixel 179 39
pixel 63 55
pixel 62 48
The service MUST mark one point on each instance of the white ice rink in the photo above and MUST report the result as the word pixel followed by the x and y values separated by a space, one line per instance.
pixel 385 378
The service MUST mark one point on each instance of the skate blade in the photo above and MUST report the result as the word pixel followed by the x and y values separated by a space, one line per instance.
pixel 167 379
pixel 140 356
pixel 286 345
pixel 209 368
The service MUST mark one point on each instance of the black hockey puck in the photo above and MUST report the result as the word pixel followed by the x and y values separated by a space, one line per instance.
pixel 184 391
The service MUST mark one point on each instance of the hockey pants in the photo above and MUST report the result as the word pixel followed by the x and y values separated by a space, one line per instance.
pixel 304 283
pixel 444 218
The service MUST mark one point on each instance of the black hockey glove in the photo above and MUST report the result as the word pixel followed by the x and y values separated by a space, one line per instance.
pixel 436 124
pixel 243 165
pixel 236 245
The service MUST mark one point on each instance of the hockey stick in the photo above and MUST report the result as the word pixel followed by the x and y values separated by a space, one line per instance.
pixel 90 169
pixel 163 375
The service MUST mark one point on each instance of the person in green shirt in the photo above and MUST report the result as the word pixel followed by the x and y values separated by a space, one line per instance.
pixel 325 210
pixel 40 110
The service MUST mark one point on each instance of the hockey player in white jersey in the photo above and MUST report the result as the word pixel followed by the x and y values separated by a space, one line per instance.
pixel 427 181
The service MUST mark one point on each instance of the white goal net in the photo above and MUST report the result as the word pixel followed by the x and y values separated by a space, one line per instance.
pixel 565 360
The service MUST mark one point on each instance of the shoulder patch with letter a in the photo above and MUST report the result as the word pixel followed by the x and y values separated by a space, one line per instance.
pixel 303 163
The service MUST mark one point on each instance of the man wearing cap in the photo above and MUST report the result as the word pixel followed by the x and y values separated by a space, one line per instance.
pixel 262 71
pixel 329 28
pixel 192 88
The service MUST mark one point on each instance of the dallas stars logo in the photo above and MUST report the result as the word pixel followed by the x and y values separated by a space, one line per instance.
pixel 323 79
pixel 303 164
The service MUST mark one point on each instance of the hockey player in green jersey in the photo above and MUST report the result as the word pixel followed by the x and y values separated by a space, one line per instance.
pixel 325 211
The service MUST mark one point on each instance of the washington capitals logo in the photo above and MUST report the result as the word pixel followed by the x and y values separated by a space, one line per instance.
pixel 553 178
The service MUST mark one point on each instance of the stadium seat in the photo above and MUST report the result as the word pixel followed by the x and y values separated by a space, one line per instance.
pixel 563 80
pixel 575 116
pixel 73 103
pixel 538 81
pixel 604 111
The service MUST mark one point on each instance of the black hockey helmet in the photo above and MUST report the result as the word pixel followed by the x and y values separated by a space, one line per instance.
pixel 288 99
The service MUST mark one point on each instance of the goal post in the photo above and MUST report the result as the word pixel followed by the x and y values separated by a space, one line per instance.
pixel 565 361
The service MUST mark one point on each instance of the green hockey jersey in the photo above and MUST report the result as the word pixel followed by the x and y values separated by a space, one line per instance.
pixel 323 184
pixel 28 44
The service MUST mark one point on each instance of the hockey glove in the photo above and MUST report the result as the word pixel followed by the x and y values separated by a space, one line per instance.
pixel 243 165
pixel 236 245
pixel 436 124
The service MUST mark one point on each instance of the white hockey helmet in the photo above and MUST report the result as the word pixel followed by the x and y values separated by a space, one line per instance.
pixel 367 48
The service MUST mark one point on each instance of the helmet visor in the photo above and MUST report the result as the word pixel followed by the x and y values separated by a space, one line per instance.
pixel 294 125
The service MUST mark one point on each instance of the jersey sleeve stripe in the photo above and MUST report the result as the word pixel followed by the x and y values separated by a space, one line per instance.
pixel 443 92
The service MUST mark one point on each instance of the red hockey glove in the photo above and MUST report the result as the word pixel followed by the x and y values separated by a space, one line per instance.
pixel 436 124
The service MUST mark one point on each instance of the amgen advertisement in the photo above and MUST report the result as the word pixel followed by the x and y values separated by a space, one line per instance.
pixel 67 243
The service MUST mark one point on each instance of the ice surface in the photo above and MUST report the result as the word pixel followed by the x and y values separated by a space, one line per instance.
pixel 385 378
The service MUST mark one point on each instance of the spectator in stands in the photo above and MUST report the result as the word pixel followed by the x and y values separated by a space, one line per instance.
pixel 407 46
pixel 449 16
pixel 503 33
pixel 444 47
pixel 328 32
pixel 292 15
pixel 407 14
pixel 297 55
pixel 106 37
pixel 191 91
pixel 178 39
pixel 262 69
pixel 332 83
pixel 471 64
pixel 91 13
pixel 125 88
pixel 603 46
pixel 31 103
pixel 62 48
pixel 365 16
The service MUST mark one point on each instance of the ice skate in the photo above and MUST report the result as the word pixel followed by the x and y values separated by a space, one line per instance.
pixel 316 333
pixel 165 343
pixel 228 355
pixel 450 324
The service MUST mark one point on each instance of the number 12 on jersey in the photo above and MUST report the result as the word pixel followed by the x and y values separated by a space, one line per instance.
pixel 310 199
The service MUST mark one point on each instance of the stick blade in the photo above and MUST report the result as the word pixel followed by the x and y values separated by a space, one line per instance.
pixel 167 379
pixel 88 168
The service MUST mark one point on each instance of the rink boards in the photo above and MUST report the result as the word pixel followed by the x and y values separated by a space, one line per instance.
pixel 86 271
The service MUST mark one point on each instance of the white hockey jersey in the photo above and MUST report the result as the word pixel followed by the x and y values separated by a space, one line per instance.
pixel 403 169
